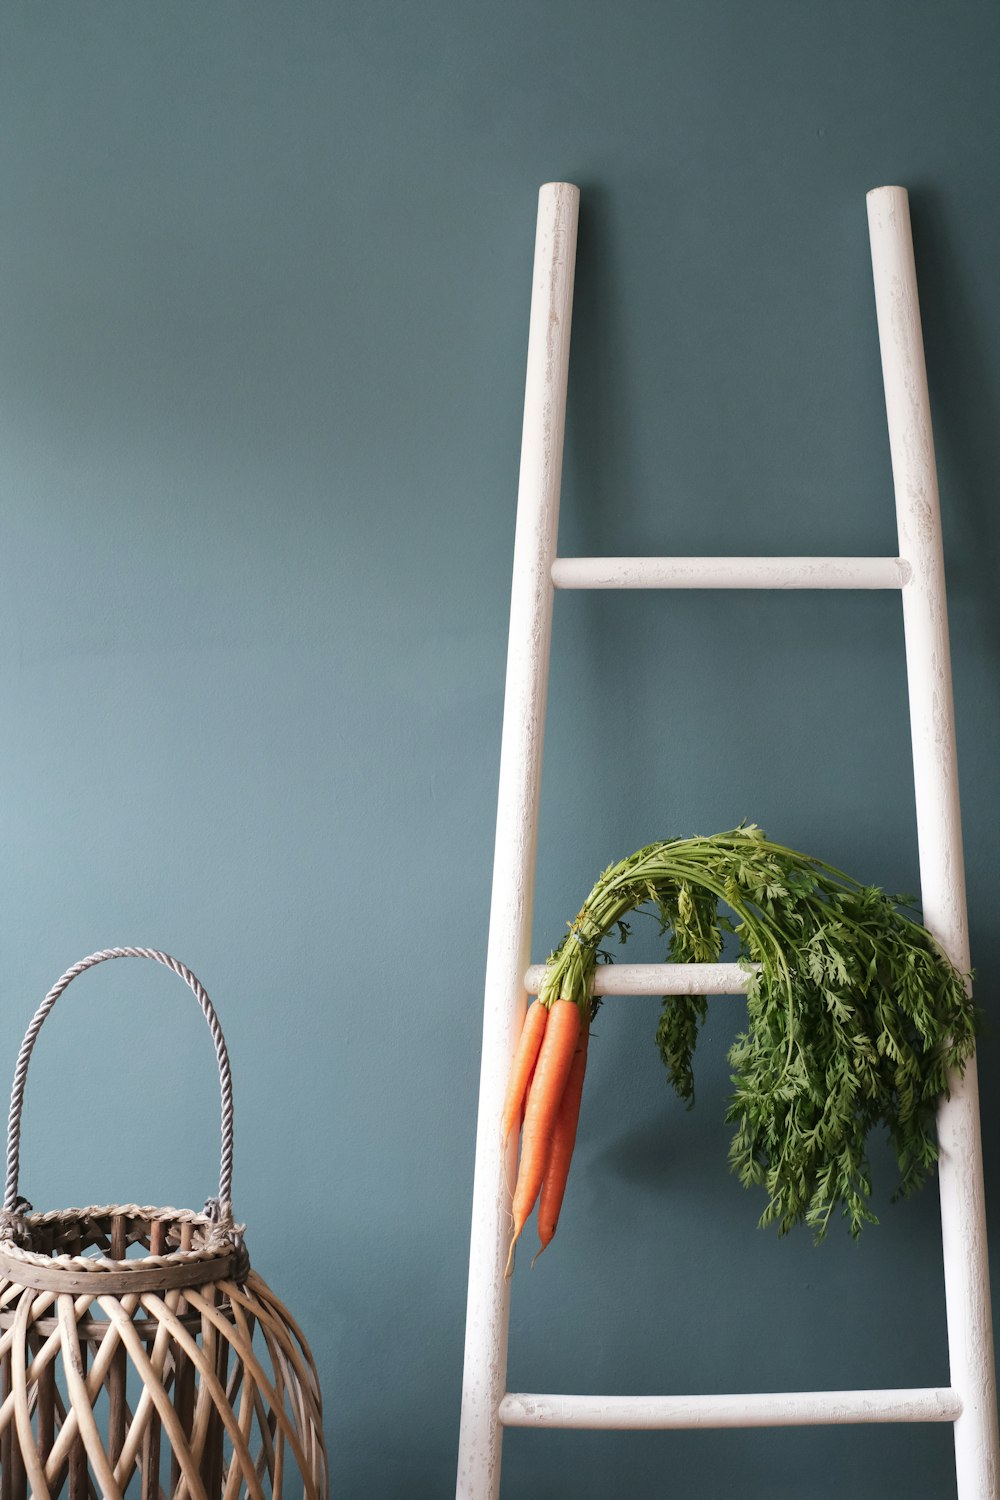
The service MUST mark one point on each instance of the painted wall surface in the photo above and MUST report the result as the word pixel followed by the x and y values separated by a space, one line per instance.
pixel 263 313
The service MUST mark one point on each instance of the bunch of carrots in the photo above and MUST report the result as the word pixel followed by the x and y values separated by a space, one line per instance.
pixel 855 1017
pixel 543 1098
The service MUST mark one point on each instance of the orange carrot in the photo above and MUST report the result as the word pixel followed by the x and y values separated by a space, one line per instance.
pixel 552 1069
pixel 525 1055
pixel 563 1140
pixel 524 1105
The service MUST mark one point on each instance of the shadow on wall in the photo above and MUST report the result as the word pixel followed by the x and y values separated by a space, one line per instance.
pixel 964 402
pixel 600 434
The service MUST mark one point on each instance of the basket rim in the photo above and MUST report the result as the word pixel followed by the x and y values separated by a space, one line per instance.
pixel 222 1254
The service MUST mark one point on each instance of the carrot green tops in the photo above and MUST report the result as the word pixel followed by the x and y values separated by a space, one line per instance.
pixel 855 1016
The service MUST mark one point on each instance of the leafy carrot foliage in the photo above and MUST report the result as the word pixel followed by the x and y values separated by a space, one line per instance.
pixel 856 1018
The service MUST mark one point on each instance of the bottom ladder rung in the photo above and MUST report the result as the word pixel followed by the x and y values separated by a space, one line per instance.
pixel 781 1409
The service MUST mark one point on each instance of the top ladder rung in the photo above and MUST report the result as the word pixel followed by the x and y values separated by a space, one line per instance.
pixel 730 572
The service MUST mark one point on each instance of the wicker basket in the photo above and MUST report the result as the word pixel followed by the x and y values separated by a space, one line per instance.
pixel 138 1348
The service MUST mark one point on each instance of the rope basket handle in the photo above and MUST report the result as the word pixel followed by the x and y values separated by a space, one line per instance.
pixel 10 1201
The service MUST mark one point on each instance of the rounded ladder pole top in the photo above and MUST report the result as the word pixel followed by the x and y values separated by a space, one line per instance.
pixel 885 191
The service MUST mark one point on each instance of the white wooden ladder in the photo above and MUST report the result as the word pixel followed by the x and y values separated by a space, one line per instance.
pixel 968 1400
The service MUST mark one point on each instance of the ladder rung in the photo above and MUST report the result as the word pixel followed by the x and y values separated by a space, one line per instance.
pixel 657 979
pixel 730 572
pixel 783 1409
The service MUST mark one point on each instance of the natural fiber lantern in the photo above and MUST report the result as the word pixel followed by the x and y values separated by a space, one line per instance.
pixel 139 1348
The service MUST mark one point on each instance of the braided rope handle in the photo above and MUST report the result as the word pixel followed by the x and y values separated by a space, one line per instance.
pixel 24 1056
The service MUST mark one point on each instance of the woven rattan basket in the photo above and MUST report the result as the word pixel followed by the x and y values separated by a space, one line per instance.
pixel 139 1352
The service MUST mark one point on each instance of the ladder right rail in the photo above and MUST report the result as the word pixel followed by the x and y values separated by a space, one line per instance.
pixel 939 829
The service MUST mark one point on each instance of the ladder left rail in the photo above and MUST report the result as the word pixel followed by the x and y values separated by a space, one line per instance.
pixel 508 953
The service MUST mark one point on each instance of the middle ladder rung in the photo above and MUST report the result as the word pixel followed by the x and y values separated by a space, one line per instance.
pixel 658 979
pixel 730 573
pixel 777 1409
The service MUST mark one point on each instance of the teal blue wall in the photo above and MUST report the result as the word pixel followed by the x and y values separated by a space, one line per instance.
pixel 264 272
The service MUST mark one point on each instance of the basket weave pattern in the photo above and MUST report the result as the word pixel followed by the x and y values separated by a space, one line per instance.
pixel 138 1348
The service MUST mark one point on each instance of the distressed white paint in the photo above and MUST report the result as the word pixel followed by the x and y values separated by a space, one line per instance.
pixel 970 1401
pixel 517 825
pixel 729 573
pixel 763 1409
pixel 657 979
pixel 942 876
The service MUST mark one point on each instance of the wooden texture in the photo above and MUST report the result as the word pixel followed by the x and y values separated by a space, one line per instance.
pixel 68 1279
pixel 969 1398
pixel 729 573
pixel 517 825
pixel 210 1385
pixel 658 979
pixel 939 827
pixel 759 1409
